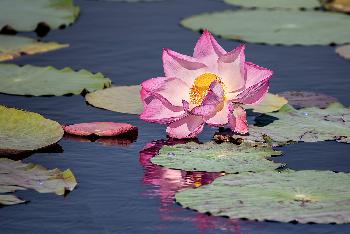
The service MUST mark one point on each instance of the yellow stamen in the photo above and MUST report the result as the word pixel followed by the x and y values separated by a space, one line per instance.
pixel 200 87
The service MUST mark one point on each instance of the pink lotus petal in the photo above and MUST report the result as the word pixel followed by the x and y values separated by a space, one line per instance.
pixel 256 74
pixel 182 66
pixel 159 110
pixel 238 119
pixel 172 89
pixel 212 102
pixel 232 69
pixel 220 118
pixel 208 50
pixel 187 127
pixel 100 129
pixel 254 94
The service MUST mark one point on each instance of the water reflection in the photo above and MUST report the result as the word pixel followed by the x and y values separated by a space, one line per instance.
pixel 166 182
pixel 107 141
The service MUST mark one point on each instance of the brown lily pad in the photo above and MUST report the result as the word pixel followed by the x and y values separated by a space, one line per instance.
pixel 343 51
pixel 302 99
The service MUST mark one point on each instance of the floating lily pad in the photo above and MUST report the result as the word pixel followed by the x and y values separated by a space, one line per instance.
pixel 24 15
pixel 289 125
pixel 270 103
pixel 37 81
pixel 295 4
pixel 343 51
pixel 302 99
pixel 15 46
pixel 212 157
pixel 123 99
pixel 101 129
pixel 287 27
pixel 302 196
pixel 336 5
pixel 15 175
pixel 22 131
pixel 10 200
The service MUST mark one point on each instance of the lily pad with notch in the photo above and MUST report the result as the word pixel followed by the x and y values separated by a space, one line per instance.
pixel 212 157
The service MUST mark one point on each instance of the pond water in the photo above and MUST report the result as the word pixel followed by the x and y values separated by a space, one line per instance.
pixel 119 191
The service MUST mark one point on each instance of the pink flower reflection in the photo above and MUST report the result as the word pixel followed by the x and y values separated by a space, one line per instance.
pixel 166 182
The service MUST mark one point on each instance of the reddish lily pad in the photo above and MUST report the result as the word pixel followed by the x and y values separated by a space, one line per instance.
pixel 302 99
pixel 105 129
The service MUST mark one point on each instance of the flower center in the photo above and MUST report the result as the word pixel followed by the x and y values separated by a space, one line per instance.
pixel 201 86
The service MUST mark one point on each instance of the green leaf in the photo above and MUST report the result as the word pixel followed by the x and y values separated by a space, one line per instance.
pixel 343 51
pixel 212 157
pixel 295 4
pixel 24 15
pixel 123 99
pixel 10 200
pixel 15 175
pixel 26 131
pixel 15 46
pixel 37 81
pixel 270 103
pixel 287 27
pixel 289 125
pixel 303 196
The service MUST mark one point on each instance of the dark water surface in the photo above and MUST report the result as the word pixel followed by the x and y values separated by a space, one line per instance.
pixel 119 191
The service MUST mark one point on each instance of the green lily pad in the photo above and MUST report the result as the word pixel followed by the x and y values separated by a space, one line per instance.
pixel 270 103
pixel 289 125
pixel 24 15
pixel 302 99
pixel 212 157
pixel 123 99
pixel 295 4
pixel 336 5
pixel 302 196
pixel 10 200
pixel 37 81
pixel 15 46
pixel 22 131
pixel 343 51
pixel 287 27
pixel 16 175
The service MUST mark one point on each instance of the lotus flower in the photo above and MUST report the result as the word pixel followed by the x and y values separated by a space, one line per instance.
pixel 209 87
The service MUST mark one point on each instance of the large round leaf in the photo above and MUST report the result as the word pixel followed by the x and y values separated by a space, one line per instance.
pixel 37 81
pixel 24 15
pixel 15 175
pixel 289 125
pixel 303 196
pixel 212 157
pixel 286 27
pixel 123 99
pixel 25 131
pixel 15 46
pixel 295 4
